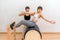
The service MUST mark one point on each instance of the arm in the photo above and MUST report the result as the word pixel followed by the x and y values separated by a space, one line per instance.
pixel 32 14
pixel 46 19
pixel 21 14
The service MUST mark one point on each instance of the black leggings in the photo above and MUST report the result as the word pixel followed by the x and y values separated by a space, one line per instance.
pixel 33 28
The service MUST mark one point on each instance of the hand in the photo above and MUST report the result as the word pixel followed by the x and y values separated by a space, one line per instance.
pixel 52 22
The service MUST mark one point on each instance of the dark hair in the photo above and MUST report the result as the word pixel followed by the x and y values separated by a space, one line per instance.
pixel 39 7
pixel 27 7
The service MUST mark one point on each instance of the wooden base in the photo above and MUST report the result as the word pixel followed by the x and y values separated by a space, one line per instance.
pixel 32 35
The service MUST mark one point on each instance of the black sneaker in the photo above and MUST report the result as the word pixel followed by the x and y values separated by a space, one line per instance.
pixel 11 25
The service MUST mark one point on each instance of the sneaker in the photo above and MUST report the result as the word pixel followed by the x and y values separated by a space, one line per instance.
pixel 11 25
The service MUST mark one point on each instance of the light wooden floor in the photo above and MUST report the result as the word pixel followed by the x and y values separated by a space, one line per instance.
pixel 51 36
pixel 46 36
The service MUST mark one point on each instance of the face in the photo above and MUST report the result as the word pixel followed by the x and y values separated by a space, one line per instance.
pixel 39 10
pixel 27 10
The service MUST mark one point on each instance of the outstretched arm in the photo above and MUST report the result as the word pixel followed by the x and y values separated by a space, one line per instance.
pixel 52 22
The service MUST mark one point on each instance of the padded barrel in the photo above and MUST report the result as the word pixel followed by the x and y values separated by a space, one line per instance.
pixel 32 35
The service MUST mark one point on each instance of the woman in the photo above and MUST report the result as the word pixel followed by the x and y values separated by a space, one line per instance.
pixel 39 14
pixel 26 15
pixel 30 24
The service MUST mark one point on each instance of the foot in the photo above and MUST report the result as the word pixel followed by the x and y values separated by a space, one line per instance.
pixel 11 25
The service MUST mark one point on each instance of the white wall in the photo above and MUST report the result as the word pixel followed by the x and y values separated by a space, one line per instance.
pixel 9 10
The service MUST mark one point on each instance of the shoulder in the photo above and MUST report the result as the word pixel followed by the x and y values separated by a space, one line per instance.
pixel 40 15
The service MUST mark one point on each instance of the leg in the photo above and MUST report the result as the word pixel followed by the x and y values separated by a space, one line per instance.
pixel 26 23
pixel 37 29
pixel 23 22
pixel 14 28
pixel 9 33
